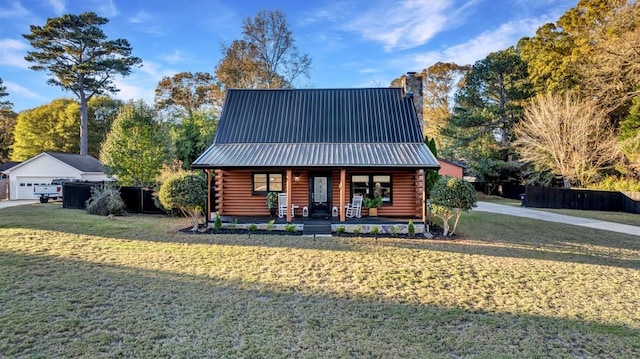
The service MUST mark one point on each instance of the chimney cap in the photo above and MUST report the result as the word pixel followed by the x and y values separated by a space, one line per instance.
pixel 408 94
pixel 411 73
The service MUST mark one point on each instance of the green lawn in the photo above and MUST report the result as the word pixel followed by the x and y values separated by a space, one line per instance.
pixel 74 285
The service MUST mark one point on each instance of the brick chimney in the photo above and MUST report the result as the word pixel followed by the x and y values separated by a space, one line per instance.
pixel 412 85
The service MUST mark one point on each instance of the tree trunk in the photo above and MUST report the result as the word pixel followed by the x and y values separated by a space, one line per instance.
pixel 84 120
pixel 455 225
pixel 566 183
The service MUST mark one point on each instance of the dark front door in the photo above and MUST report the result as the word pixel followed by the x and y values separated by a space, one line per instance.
pixel 320 195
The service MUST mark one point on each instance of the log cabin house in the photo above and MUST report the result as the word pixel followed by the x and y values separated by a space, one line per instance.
pixel 321 147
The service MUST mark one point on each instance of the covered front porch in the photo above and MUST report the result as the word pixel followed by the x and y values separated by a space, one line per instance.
pixel 318 193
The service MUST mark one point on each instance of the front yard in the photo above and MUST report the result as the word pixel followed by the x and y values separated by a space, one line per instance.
pixel 75 285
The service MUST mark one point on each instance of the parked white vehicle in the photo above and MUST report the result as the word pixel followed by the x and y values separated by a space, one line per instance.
pixel 50 191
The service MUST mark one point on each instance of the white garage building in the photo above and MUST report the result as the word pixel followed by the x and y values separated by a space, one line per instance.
pixel 41 169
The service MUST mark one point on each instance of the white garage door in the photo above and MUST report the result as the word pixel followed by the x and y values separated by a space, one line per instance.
pixel 25 186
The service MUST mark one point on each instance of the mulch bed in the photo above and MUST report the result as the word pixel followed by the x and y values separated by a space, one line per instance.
pixel 435 230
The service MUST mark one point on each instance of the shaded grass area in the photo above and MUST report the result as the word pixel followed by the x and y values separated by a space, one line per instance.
pixel 76 285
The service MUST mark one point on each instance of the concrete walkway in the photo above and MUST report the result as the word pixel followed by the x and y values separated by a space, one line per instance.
pixel 555 217
pixel 16 202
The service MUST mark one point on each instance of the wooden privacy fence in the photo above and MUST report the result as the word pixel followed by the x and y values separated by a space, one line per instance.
pixel 551 197
pixel 4 188
pixel 136 199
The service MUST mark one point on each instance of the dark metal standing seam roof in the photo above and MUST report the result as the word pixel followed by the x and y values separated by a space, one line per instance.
pixel 318 128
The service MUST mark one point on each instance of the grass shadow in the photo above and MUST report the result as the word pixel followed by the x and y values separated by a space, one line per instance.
pixel 57 307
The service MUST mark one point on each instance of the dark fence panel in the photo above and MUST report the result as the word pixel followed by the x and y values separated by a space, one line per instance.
pixel 512 191
pixel 551 197
pixel 139 200
pixel 631 202
pixel 76 194
pixel 136 199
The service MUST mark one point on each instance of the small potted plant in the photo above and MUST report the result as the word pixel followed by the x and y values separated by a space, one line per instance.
pixel 373 204
pixel 272 202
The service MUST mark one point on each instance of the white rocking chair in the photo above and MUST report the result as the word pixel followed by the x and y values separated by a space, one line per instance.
pixel 282 205
pixel 354 208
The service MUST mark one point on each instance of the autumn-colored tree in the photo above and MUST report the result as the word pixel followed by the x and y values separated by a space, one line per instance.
pixel 50 127
pixel 266 57
pixel 592 48
pixel 568 136
pixel 440 81
pixel 186 93
pixel 612 73
pixel 73 49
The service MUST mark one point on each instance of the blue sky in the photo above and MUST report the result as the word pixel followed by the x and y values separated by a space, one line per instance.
pixel 353 43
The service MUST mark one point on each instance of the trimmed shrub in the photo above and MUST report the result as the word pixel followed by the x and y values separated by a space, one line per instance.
pixel 217 225
pixel 411 228
pixel 449 198
pixel 187 192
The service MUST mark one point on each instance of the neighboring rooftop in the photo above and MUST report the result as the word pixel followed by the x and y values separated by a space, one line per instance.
pixel 7 165
pixel 82 163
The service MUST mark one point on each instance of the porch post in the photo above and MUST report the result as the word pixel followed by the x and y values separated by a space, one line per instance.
pixel 208 210
pixel 343 177
pixel 289 194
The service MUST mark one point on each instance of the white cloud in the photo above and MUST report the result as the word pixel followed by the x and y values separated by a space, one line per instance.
pixel 12 53
pixel 107 8
pixel 58 6
pixel 479 47
pixel 141 17
pixel 14 11
pixel 408 24
pixel 15 89
pixel 131 89
pixel 174 58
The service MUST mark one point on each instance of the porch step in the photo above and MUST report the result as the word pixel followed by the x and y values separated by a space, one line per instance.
pixel 324 228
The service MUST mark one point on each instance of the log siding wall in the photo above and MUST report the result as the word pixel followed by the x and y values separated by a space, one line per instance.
pixel 234 195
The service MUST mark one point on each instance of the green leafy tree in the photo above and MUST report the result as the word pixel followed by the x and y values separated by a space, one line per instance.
pixel 7 124
pixel 193 136
pixel 629 137
pixel 137 146
pixel 266 57
pixel 103 110
pixel 449 198
pixel 186 192
pixel 432 177
pixel 74 50
pixel 51 127
pixel 488 106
